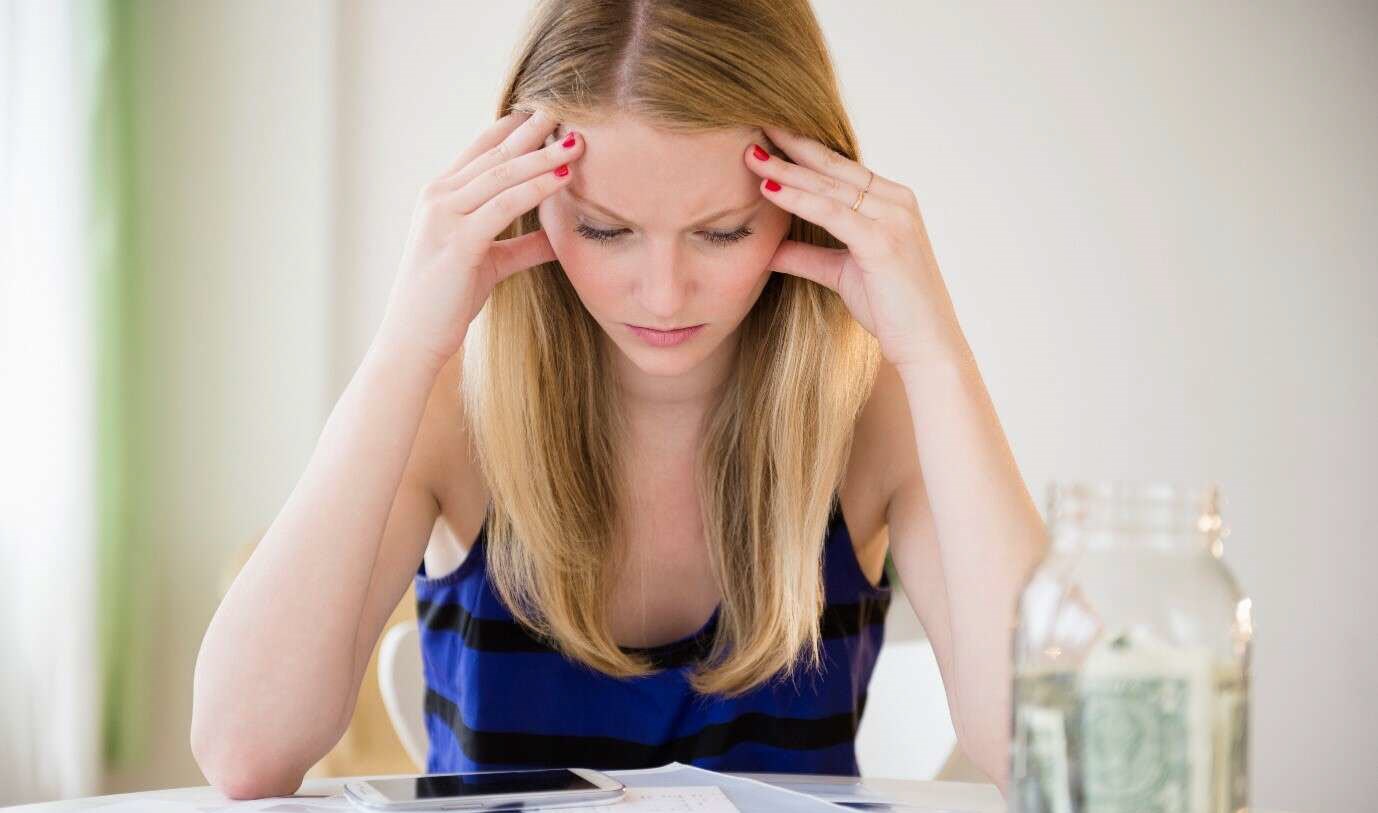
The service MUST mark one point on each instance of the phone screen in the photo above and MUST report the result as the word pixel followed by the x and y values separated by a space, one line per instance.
pixel 459 785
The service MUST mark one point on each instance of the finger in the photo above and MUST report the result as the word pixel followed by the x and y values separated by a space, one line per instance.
pixel 801 177
pixel 491 136
pixel 508 174
pixel 492 217
pixel 820 158
pixel 525 138
pixel 519 253
pixel 817 263
pixel 850 227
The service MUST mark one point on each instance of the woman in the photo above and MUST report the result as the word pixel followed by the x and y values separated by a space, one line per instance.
pixel 603 488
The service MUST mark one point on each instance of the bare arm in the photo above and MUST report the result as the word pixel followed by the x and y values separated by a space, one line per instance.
pixel 275 675
pixel 964 535
pixel 282 660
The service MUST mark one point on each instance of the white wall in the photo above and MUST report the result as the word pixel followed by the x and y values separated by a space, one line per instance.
pixel 1152 219
pixel 233 125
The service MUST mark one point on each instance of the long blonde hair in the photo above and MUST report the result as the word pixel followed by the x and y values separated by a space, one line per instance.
pixel 546 421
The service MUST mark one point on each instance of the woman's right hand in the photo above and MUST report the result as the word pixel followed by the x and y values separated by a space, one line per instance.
pixel 451 262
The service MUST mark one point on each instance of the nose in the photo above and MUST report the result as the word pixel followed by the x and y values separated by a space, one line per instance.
pixel 663 282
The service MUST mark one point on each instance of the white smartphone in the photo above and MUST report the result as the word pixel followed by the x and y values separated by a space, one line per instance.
pixel 487 790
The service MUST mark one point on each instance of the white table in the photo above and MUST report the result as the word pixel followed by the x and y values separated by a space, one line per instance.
pixel 950 796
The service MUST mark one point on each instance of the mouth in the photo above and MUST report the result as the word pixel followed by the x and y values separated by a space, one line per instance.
pixel 663 329
pixel 665 338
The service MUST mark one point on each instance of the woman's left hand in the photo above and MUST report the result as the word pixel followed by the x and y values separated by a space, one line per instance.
pixel 887 275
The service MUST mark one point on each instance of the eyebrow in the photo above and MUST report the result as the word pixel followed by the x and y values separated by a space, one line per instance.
pixel 615 216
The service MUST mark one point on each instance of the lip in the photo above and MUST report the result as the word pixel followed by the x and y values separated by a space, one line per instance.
pixel 665 338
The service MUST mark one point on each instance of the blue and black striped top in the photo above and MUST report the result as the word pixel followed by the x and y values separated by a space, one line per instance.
pixel 498 697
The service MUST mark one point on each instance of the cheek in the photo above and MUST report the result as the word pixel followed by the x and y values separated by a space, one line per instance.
pixel 578 257
pixel 570 249
pixel 741 282
pixel 751 270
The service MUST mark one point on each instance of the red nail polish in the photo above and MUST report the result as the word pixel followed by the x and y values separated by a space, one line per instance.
pixel 568 142
pixel 562 170
pixel 772 185
pixel 759 153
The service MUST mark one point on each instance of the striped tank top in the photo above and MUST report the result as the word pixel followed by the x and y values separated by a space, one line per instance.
pixel 499 698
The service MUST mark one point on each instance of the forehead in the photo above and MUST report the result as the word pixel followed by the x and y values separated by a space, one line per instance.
pixel 659 177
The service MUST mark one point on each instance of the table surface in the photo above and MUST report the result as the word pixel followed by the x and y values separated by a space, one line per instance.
pixel 948 796
pixel 961 796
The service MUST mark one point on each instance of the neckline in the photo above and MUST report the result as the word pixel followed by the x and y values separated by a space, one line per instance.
pixel 685 650
pixel 682 650
pixel 672 647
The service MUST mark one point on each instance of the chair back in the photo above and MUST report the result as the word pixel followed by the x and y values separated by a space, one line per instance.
pixel 403 685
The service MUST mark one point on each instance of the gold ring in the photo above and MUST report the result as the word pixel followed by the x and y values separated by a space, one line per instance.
pixel 862 193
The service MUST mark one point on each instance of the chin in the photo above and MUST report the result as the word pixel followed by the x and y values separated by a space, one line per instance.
pixel 668 362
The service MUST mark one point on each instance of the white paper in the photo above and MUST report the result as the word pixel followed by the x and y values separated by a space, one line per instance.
pixel 665 800
pixel 749 795
pixel 802 796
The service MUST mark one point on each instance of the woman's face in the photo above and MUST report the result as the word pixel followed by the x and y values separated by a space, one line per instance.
pixel 664 230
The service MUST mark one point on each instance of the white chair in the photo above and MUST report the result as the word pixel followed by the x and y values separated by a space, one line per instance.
pixel 906 732
pixel 403 685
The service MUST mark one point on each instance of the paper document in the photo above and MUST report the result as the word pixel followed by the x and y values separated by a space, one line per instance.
pixel 749 795
pixel 688 799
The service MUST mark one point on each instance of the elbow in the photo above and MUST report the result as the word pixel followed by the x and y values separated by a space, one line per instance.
pixel 249 785
pixel 243 770
pixel 250 748
pixel 989 755
pixel 247 780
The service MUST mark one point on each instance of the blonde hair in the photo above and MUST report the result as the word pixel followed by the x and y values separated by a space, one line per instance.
pixel 546 422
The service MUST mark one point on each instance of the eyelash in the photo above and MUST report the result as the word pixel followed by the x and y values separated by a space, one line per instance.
pixel 719 237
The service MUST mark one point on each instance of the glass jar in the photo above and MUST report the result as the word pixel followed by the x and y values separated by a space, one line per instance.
pixel 1131 658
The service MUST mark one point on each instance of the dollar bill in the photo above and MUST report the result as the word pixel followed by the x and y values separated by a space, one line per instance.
pixel 1044 761
pixel 1138 727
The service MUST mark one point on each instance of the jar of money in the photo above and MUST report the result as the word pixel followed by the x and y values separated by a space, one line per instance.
pixel 1131 658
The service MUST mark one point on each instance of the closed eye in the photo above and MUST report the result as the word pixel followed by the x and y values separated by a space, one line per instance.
pixel 598 234
pixel 606 235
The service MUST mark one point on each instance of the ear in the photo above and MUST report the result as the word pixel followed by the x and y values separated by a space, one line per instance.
pixel 558 134
pixel 759 136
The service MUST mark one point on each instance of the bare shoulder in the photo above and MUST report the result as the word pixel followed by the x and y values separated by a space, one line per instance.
pixel 450 469
pixel 883 456
pixel 885 432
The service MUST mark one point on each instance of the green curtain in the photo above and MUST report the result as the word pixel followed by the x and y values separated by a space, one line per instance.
pixel 126 580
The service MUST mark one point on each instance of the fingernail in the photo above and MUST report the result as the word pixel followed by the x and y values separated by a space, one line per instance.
pixel 772 185
pixel 759 153
pixel 562 170
pixel 569 141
